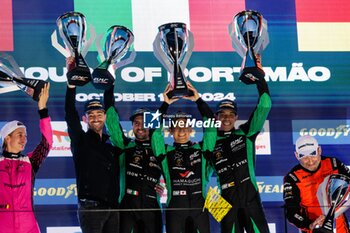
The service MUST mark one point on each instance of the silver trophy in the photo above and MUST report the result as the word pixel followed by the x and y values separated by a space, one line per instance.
pixel 116 46
pixel 12 78
pixel 173 47
pixel 333 196
pixel 248 32
pixel 72 29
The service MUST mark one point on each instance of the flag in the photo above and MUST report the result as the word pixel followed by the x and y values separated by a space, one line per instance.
pixel 216 204
pixel 6 26
pixel 323 25
pixel 207 19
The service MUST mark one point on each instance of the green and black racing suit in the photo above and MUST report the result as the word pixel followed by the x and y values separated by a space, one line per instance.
pixel 186 174
pixel 234 162
pixel 139 173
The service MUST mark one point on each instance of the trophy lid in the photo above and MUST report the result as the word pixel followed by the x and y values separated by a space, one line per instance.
pixel 172 25
pixel 117 42
pixel 120 27
pixel 70 14
pixel 248 13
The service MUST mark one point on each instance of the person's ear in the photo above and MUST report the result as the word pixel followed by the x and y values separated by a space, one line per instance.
pixel 85 119
pixel 296 155
pixel 319 150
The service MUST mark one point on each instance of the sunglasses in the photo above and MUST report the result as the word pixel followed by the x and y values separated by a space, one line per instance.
pixel 300 155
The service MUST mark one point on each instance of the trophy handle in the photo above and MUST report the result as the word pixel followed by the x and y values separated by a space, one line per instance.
pixel 7 89
pixel 58 46
pixel 235 42
pixel 127 61
pixel 101 57
pixel 160 55
pixel 15 67
pixel 342 209
pixel 190 46
pixel 89 42
pixel 264 38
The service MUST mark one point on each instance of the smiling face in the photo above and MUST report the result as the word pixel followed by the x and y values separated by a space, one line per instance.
pixel 95 120
pixel 16 141
pixel 310 162
pixel 180 131
pixel 228 118
pixel 140 132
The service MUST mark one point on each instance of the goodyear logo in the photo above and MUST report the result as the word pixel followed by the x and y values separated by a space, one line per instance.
pixel 55 192
pixel 325 131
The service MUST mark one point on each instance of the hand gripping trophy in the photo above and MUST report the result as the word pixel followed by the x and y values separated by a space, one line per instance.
pixel 248 32
pixel 333 196
pixel 12 78
pixel 72 29
pixel 116 46
pixel 173 47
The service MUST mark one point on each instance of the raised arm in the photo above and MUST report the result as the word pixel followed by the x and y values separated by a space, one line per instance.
pixel 157 138
pixel 75 129
pixel 256 120
pixel 209 136
pixel 113 126
pixel 41 151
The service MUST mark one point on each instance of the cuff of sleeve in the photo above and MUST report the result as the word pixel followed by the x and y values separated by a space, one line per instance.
pixel 164 107
pixel 199 101
pixel 43 113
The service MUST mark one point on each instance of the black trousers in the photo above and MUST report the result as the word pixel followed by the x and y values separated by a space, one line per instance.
pixel 140 215
pixel 244 215
pixel 96 218
pixel 184 218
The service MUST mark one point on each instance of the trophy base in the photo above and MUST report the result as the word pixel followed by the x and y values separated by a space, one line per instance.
pixel 37 90
pixel 102 79
pixel 251 75
pixel 321 230
pixel 32 87
pixel 179 93
pixel 79 76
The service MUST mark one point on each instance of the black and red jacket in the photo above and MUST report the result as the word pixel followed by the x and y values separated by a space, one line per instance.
pixel 300 193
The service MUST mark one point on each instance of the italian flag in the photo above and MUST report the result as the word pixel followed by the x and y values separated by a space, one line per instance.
pixel 207 19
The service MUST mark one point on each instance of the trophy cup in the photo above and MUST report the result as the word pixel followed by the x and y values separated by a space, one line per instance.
pixel 72 29
pixel 117 43
pixel 12 78
pixel 173 47
pixel 333 196
pixel 248 32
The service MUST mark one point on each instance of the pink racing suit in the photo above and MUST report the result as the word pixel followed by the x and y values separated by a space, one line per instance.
pixel 16 185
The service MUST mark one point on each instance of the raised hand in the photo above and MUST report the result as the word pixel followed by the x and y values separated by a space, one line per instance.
pixel 195 95
pixel 258 61
pixel 165 95
pixel 159 189
pixel 70 64
pixel 318 222
pixel 44 96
